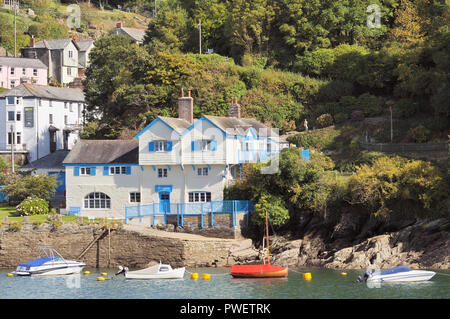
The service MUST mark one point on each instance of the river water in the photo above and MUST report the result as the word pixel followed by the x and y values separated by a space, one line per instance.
pixel 325 284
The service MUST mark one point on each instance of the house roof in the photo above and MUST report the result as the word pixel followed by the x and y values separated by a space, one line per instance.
pixel 136 34
pixel 240 126
pixel 176 124
pixel 51 161
pixel 56 44
pixel 46 92
pixel 84 45
pixel 22 62
pixel 104 152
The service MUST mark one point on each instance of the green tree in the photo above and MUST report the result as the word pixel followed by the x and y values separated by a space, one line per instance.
pixel 19 187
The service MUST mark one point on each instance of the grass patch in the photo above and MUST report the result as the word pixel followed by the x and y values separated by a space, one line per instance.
pixel 6 210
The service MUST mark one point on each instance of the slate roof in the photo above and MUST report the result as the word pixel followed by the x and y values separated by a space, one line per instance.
pixel 57 44
pixel 104 152
pixel 51 161
pixel 136 34
pixel 179 125
pixel 84 45
pixel 46 92
pixel 22 62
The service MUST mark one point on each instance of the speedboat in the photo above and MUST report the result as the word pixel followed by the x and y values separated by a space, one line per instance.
pixel 49 263
pixel 159 271
pixel 396 274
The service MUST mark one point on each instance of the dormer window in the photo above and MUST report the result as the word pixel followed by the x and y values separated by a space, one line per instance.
pixel 160 146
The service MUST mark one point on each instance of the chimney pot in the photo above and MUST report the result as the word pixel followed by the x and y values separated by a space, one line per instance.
pixel 186 107
pixel 182 92
pixel 32 41
pixel 234 108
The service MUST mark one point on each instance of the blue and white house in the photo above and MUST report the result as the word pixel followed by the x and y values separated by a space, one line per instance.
pixel 173 166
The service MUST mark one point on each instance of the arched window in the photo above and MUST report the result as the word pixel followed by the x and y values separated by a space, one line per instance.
pixel 97 200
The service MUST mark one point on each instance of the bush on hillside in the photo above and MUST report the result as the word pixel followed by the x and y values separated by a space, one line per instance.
pixel 324 120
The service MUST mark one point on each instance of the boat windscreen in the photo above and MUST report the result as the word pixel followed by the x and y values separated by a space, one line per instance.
pixel 395 270
pixel 40 261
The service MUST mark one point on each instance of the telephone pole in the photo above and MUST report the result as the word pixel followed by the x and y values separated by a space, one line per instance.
pixel 199 27
pixel 15 27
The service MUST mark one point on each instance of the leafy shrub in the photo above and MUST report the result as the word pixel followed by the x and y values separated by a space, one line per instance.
pixel 324 120
pixel 274 207
pixel 419 134
pixel 340 118
pixel 357 116
pixel 16 226
pixel 32 206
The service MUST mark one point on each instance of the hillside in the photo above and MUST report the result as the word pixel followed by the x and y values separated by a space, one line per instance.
pixel 50 20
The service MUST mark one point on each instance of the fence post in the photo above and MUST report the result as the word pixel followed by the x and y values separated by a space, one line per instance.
pixel 234 213
pixel 212 214
pixel 153 214
pixel 178 214
pixel 201 215
pixel 126 214
pixel 182 212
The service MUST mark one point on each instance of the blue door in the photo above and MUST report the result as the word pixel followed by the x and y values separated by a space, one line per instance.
pixel 164 202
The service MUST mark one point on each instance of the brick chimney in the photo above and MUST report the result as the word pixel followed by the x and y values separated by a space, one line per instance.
pixel 119 24
pixel 234 109
pixel 32 41
pixel 186 107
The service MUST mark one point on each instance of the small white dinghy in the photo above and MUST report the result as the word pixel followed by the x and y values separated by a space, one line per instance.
pixel 397 274
pixel 49 263
pixel 159 271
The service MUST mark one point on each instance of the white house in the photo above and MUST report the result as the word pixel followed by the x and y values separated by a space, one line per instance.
pixel 172 161
pixel 40 119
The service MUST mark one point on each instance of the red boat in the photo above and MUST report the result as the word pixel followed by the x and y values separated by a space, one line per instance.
pixel 261 270
pixel 257 271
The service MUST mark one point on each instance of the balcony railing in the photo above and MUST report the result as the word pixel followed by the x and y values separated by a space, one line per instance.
pixel 182 209
pixel 254 156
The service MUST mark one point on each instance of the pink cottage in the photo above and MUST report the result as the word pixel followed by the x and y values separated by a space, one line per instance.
pixel 14 71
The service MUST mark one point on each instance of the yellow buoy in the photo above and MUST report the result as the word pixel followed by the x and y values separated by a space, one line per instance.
pixel 87 272
pixel 9 275
pixel 307 276
pixel 104 274
pixel 343 274
pixel 206 276
pixel 194 275
pixel 101 279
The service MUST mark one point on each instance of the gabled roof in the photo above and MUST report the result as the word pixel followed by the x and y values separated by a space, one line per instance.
pixel 134 33
pixel 239 126
pixel 84 45
pixel 57 44
pixel 176 124
pixel 104 152
pixel 46 92
pixel 51 161
pixel 22 62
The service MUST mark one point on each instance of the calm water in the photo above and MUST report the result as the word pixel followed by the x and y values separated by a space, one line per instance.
pixel 324 284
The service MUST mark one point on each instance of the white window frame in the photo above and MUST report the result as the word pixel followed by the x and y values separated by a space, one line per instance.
pixel 85 171
pixel 13 116
pixel 162 172
pixel 204 145
pixel 35 72
pixel 160 146
pixel 96 201
pixel 117 170
pixel 202 171
pixel 13 71
pixel 135 197
pixel 199 197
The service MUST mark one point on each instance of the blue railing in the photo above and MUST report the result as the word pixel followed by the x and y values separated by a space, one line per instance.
pixel 72 211
pixel 182 209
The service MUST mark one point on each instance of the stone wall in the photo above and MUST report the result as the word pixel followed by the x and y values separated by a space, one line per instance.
pixel 121 247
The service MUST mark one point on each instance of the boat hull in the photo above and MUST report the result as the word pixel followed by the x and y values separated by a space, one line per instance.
pixel 409 276
pixel 52 270
pixel 177 273
pixel 258 271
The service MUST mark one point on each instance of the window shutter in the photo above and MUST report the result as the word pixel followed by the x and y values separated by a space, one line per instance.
pixel 151 146
pixel 93 169
pixel 106 170
pixel 195 146
pixel 213 146
pixel 169 146
pixel 76 171
pixel 128 170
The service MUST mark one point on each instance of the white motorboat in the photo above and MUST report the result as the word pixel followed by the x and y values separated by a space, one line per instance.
pixel 397 274
pixel 49 263
pixel 159 271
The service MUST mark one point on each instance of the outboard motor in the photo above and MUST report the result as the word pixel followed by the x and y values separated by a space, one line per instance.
pixel 122 270
pixel 364 277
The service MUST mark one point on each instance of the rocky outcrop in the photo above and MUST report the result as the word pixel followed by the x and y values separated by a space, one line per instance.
pixel 425 244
